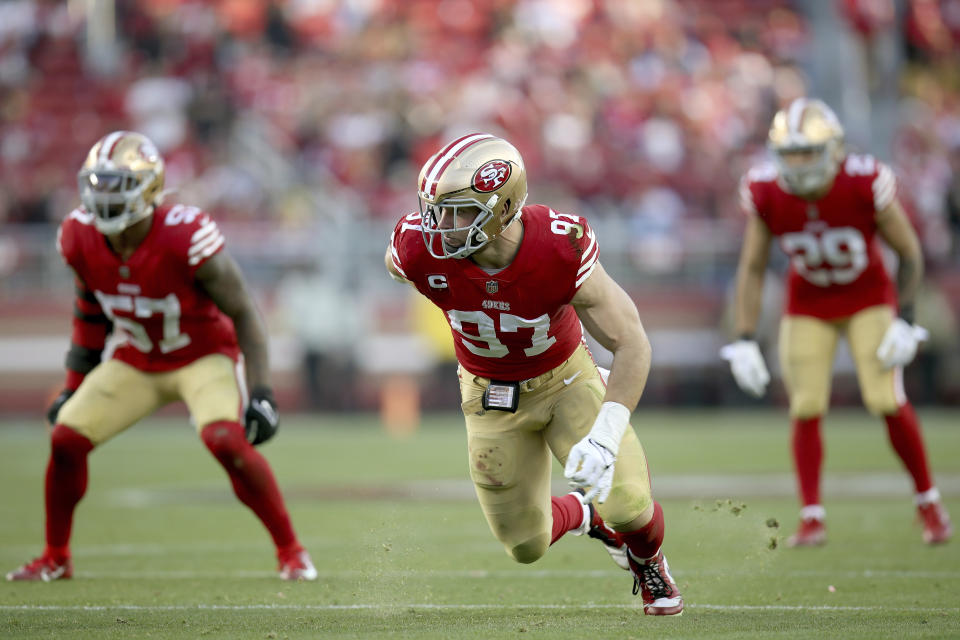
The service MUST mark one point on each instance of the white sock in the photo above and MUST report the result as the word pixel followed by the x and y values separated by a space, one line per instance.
pixel 813 512
pixel 930 495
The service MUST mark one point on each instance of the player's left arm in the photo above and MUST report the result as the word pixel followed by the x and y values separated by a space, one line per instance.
pixel 611 317
pixel 221 279
pixel 899 343
pixel 895 228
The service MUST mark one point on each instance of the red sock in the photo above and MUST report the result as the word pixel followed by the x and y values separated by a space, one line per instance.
pixel 65 484
pixel 567 515
pixel 906 439
pixel 808 458
pixel 252 480
pixel 645 541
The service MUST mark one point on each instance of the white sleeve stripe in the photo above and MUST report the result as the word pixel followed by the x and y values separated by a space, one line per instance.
pixel 197 247
pixel 884 177
pixel 746 199
pixel 584 277
pixel 884 186
pixel 882 200
pixel 209 251
pixel 590 260
pixel 206 229
pixel 396 265
pixel 593 243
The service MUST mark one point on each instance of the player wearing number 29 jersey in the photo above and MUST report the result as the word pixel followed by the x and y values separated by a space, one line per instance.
pixel 836 266
pixel 515 282
pixel 829 211
pixel 160 278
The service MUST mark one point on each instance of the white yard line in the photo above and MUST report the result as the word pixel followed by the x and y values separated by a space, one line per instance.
pixel 509 574
pixel 454 607
pixel 677 486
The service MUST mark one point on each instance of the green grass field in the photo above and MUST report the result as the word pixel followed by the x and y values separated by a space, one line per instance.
pixel 163 550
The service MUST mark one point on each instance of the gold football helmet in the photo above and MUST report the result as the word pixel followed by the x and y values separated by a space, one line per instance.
pixel 807 144
pixel 478 181
pixel 121 180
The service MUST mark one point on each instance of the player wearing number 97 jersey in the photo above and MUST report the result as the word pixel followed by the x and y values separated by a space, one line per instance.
pixel 181 315
pixel 827 209
pixel 515 282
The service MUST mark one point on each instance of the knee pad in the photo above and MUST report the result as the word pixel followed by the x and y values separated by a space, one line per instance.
pixel 625 504
pixel 806 405
pixel 530 550
pixel 225 440
pixel 880 404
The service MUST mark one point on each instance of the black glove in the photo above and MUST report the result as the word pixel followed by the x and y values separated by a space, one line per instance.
pixel 262 419
pixel 56 404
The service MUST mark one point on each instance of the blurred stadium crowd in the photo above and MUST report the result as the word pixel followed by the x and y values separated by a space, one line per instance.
pixel 295 121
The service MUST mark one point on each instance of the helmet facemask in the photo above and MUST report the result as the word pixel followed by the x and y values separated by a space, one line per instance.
pixel 813 175
pixel 115 197
pixel 480 215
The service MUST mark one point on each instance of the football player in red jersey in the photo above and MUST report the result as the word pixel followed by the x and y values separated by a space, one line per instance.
pixel 515 283
pixel 178 305
pixel 827 207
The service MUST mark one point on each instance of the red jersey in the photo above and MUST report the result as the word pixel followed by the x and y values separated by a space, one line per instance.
pixel 164 318
pixel 517 323
pixel 836 266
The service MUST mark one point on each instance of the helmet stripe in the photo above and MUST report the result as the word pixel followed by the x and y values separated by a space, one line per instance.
pixel 437 156
pixel 447 156
pixel 109 143
pixel 795 116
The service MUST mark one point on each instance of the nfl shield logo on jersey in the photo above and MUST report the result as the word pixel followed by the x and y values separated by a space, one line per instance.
pixel 492 286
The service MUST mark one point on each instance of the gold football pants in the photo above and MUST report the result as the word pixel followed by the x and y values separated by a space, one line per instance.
pixel 509 453
pixel 807 347
pixel 115 395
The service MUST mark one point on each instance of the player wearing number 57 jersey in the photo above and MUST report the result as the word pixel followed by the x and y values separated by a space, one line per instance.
pixel 181 316
pixel 827 209
pixel 515 282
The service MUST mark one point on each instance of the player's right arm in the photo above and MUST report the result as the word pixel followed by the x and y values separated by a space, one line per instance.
pixel 392 269
pixel 750 273
pixel 398 249
pixel 90 326
pixel 746 361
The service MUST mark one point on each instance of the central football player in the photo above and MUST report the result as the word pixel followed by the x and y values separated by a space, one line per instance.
pixel 515 283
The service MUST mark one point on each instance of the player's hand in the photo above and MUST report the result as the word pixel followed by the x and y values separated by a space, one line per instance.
pixel 54 409
pixel 261 419
pixel 899 344
pixel 590 462
pixel 747 365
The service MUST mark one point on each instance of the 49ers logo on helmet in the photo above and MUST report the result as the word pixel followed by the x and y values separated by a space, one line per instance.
pixel 491 176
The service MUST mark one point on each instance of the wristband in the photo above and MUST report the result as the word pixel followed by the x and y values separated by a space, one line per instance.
pixel 612 422
pixel 906 313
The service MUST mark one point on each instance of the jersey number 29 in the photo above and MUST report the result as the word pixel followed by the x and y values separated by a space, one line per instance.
pixel 837 256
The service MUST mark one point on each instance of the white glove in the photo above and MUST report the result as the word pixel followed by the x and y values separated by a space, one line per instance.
pixel 590 462
pixel 899 344
pixel 746 363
